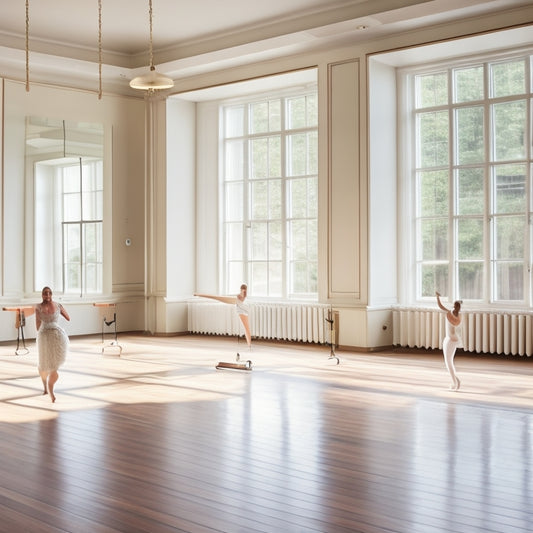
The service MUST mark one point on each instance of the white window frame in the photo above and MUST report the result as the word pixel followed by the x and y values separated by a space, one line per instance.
pixel 407 172
pixel 285 220
pixel 49 223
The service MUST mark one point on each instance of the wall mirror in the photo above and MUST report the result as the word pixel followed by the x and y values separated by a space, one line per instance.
pixel 54 138
pixel 64 160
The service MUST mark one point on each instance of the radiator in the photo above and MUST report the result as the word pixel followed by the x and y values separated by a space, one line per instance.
pixel 293 322
pixel 505 333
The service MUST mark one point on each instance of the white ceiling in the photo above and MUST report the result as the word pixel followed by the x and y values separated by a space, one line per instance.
pixel 193 37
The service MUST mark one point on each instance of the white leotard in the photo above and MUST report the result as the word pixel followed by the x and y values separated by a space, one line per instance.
pixel 241 308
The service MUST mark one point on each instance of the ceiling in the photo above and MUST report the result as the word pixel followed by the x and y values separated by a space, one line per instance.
pixel 194 37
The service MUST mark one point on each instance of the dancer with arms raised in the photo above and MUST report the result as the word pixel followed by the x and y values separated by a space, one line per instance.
pixel 451 340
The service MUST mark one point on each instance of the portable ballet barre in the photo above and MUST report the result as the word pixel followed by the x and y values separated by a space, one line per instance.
pixel 105 322
pixel 20 321
pixel 332 321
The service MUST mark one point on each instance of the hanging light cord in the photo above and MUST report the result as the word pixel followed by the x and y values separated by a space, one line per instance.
pixel 99 46
pixel 151 43
pixel 99 49
pixel 100 61
pixel 27 45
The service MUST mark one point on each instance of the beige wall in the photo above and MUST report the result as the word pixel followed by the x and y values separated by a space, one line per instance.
pixel 355 240
pixel 124 210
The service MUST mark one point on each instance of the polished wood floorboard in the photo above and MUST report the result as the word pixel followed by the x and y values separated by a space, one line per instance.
pixel 158 440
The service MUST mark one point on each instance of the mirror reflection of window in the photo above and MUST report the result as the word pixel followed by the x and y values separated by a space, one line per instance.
pixel 67 162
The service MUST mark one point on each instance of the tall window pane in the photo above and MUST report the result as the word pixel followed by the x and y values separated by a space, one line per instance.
pixel 473 209
pixel 470 238
pixel 470 279
pixel 271 192
pixel 468 84
pixel 433 276
pixel 92 259
pixel 509 237
pixel 509 278
pixel 234 121
pixel 234 201
pixel 470 191
pixel 470 135
pixel 265 116
pixel 510 188
pixel 234 242
pixel 434 239
pixel 72 254
pixel 83 241
pixel 509 130
pixel 69 199
pixel 234 155
pixel 302 112
pixel 433 192
pixel 507 78
pixel 297 154
pixel 431 90
pixel 432 137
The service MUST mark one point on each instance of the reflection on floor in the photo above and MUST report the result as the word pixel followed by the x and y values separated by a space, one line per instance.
pixel 158 439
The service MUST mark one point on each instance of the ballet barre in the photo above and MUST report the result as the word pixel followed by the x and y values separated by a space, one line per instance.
pixel 20 321
pixel 332 320
pixel 105 322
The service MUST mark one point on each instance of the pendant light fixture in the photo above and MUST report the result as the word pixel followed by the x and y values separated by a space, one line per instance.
pixel 153 81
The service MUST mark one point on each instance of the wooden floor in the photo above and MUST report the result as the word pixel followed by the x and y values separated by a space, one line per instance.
pixel 158 440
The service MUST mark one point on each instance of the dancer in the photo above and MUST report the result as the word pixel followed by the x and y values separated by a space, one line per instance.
pixel 240 307
pixel 452 339
pixel 52 340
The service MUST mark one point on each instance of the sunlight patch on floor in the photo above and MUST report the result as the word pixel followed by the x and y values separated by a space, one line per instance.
pixel 182 369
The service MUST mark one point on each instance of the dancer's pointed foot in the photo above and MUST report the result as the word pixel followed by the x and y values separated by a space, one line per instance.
pixel 455 386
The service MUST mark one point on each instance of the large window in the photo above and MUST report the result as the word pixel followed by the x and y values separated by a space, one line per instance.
pixel 471 176
pixel 270 190
pixel 68 225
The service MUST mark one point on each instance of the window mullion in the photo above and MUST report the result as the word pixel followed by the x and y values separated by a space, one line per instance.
pixel 246 222
pixel 529 177
pixel 82 217
pixel 284 204
pixel 453 266
pixel 488 295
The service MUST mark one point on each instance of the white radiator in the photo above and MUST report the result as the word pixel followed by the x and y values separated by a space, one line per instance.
pixel 508 333
pixel 293 322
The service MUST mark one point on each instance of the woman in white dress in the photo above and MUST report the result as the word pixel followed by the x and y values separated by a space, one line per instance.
pixel 52 341
pixel 452 339
pixel 240 307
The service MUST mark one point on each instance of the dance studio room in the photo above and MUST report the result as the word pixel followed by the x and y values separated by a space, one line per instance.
pixel 266 268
